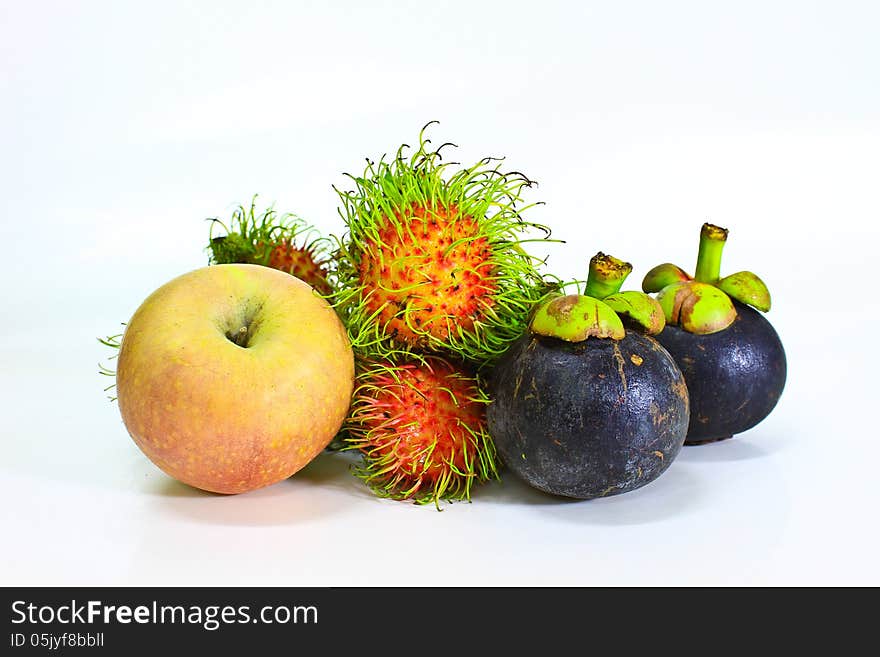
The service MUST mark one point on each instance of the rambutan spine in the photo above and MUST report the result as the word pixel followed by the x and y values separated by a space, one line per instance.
pixel 113 342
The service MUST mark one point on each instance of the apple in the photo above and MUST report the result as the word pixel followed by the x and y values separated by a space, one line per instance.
pixel 233 377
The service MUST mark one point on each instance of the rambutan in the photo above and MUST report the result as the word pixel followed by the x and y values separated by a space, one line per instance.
pixel 432 260
pixel 281 241
pixel 421 429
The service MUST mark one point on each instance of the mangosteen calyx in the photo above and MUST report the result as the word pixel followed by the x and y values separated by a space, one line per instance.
pixel 703 304
pixel 596 313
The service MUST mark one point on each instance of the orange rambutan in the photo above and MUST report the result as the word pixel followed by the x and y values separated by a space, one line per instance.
pixel 433 260
pixel 281 241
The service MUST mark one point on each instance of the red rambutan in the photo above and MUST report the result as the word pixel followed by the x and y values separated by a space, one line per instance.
pixel 421 429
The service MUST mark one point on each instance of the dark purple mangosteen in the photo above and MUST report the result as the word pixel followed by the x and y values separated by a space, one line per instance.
pixel 583 406
pixel 731 357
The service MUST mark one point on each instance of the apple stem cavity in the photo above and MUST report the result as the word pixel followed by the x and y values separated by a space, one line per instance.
pixel 239 337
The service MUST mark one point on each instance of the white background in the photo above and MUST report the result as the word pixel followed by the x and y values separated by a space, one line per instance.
pixel 124 125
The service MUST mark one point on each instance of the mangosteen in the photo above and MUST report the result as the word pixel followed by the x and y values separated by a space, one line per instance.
pixel 731 356
pixel 584 405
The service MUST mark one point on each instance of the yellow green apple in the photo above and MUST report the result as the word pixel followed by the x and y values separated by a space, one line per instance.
pixel 233 377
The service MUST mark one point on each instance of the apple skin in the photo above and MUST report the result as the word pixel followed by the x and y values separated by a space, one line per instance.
pixel 229 418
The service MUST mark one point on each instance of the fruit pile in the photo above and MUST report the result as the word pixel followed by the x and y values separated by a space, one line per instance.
pixel 428 339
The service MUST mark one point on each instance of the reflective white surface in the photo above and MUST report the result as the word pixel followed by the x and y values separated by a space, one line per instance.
pixel 122 128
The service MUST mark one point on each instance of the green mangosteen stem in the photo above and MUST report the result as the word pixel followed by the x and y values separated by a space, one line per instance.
pixel 712 240
pixel 605 276
pixel 596 312
pixel 704 304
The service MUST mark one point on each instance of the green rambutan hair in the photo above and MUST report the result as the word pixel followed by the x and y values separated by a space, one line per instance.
pixel 411 191
pixel 112 342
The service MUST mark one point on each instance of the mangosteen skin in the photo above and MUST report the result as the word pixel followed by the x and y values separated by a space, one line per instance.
pixel 587 419
pixel 734 377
